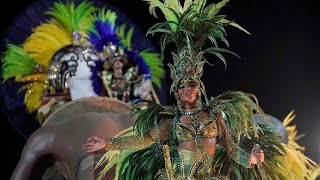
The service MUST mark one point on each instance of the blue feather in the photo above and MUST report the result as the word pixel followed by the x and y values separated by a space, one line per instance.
pixel 105 33
pixel 143 68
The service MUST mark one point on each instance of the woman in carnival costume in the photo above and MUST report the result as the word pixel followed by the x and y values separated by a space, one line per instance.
pixel 200 137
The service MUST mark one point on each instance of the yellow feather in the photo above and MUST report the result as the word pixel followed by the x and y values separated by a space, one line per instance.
pixel 174 5
pixel 292 132
pixel 32 77
pixel 316 173
pixel 186 5
pixel 289 118
pixel 46 40
pixel 169 15
pixel 110 155
pixel 299 165
pixel 220 5
pixel 33 95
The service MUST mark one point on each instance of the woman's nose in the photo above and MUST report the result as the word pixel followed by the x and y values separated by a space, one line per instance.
pixel 187 88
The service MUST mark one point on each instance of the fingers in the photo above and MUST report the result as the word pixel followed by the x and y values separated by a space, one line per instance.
pixel 92 138
pixel 256 151
pixel 93 143
pixel 89 147
pixel 259 154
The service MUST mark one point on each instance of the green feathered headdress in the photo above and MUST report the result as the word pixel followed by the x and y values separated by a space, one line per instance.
pixel 77 19
pixel 190 27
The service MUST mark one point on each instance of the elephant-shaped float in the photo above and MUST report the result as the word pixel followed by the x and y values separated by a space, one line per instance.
pixel 57 143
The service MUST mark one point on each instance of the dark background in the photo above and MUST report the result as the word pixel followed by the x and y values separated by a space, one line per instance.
pixel 279 63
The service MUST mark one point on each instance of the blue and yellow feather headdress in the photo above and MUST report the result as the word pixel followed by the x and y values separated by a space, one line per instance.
pixel 72 24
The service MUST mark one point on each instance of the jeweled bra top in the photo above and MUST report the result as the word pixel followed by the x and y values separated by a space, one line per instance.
pixel 195 129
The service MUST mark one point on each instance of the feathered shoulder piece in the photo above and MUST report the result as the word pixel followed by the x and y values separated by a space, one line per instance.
pixel 149 114
pixel 237 109
pixel 282 161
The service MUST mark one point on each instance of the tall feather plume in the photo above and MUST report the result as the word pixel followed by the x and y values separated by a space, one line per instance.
pixel 51 36
pixel 194 25
pixel 106 15
pixel 107 18
pixel 46 40
pixel 104 29
pixel 125 37
pixel 169 14
pixel 75 19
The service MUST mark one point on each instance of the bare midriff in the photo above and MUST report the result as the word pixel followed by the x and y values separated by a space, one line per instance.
pixel 209 144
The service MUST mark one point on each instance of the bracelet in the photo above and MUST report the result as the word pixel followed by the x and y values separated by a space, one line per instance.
pixel 108 142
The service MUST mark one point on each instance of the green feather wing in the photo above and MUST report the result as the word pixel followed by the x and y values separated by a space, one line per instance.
pixel 132 164
pixel 281 162
pixel 268 141
pixel 141 164
pixel 16 62
pixel 238 109
pixel 148 115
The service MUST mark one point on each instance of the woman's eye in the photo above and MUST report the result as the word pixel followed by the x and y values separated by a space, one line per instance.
pixel 180 86
pixel 192 84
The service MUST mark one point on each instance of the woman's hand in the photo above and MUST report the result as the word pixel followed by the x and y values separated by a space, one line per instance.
pixel 256 154
pixel 94 143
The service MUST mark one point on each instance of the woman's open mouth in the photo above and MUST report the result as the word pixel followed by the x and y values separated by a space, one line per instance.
pixel 187 93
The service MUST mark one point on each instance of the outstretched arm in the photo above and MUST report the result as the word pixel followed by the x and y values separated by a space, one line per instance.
pixel 163 132
pixel 235 152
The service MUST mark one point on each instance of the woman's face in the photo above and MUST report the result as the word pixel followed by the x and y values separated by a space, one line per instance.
pixel 188 92
pixel 117 64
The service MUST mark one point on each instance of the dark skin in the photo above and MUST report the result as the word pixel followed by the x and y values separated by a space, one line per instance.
pixel 188 94
pixel 209 143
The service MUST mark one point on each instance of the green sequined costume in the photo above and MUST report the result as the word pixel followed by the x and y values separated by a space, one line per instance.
pixel 152 150
pixel 142 154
